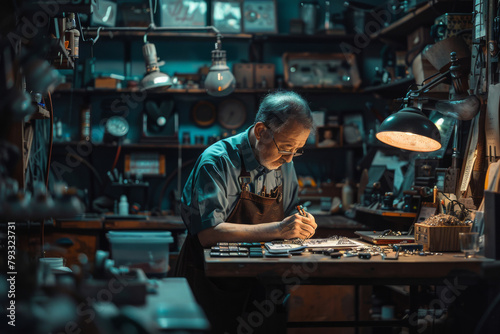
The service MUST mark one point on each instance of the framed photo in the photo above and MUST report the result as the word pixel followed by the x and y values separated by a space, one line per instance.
pixel 259 16
pixel 353 129
pixel 226 16
pixel 329 136
pixel 183 13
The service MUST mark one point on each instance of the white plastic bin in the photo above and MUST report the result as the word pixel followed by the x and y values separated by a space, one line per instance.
pixel 146 250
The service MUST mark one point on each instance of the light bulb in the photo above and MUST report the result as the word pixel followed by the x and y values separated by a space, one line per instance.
pixel 220 81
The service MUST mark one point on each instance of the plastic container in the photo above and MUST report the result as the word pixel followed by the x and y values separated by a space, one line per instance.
pixel 146 250
pixel 56 264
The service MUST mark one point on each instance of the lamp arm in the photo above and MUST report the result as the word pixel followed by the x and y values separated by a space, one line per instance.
pixel 430 85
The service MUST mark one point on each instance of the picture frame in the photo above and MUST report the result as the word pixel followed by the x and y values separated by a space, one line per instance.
pixel 183 13
pixel 329 136
pixel 353 129
pixel 227 16
pixel 260 16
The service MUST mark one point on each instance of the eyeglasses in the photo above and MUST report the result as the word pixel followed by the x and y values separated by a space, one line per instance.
pixel 298 152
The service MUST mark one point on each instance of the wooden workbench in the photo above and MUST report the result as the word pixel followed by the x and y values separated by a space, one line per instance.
pixel 297 272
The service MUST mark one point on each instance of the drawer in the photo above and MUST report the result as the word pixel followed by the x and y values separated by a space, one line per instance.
pixel 70 245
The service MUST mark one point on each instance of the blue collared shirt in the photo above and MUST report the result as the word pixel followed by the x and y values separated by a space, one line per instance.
pixel 213 188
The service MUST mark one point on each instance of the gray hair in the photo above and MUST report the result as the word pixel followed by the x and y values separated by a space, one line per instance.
pixel 280 107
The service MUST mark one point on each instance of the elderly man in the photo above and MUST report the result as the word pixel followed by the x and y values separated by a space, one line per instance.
pixel 244 189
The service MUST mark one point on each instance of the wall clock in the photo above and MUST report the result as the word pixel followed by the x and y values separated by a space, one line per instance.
pixel 204 113
pixel 231 114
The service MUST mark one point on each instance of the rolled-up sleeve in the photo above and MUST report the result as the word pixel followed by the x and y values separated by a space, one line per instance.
pixel 204 201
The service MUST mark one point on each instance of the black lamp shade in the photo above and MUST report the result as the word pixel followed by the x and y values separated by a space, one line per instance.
pixel 411 130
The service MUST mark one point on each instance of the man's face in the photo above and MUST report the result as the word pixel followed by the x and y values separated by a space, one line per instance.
pixel 292 137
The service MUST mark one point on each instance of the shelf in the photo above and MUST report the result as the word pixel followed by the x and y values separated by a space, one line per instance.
pixel 343 147
pixel 303 38
pixel 138 32
pixel 423 15
pixel 197 91
pixel 134 145
pixel 169 91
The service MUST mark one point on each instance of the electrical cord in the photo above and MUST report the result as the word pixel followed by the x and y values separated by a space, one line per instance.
pixel 51 141
pixel 167 181
pixel 416 50
pixel 118 150
pixel 463 210
pixel 486 315
pixel 86 163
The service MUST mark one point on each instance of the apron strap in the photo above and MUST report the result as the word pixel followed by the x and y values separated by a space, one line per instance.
pixel 244 179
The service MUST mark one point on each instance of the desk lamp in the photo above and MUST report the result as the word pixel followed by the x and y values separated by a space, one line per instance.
pixel 410 129
pixel 153 79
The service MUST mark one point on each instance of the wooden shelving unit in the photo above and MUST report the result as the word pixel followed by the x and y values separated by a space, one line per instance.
pixel 423 15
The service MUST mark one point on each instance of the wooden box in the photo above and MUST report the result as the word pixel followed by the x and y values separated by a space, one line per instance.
pixel 439 238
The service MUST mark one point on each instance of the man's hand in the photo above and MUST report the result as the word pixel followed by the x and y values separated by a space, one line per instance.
pixel 297 226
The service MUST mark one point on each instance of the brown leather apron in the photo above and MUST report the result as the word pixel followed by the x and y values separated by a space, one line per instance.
pixel 225 300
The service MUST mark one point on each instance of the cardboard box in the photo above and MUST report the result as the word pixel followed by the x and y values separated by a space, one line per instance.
pixel 244 75
pixel 264 76
pixel 439 238
pixel 106 82
pixel 422 69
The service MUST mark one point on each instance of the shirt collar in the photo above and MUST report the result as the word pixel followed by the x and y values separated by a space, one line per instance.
pixel 248 155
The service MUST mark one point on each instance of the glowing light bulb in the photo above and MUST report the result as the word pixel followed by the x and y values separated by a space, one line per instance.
pixel 220 81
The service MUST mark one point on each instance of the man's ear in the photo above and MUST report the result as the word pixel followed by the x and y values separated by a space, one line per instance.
pixel 259 129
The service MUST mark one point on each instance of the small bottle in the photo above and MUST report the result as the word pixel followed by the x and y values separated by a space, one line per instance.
pixel 347 195
pixel 85 122
pixel 59 129
pixel 72 34
pixel 123 206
